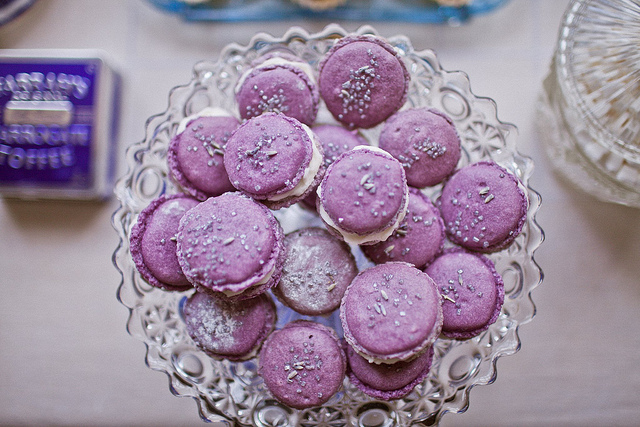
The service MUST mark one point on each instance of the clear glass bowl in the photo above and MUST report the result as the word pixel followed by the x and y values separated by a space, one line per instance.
pixel 232 393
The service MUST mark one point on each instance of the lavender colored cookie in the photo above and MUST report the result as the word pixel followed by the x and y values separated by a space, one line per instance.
pixel 425 141
pixel 483 207
pixel 363 197
pixel 153 245
pixel 387 381
pixel 228 330
pixel 195 154
pixel 317 269
pixel 363 81
pixel 231 245
pixel 391 312
pixel 419 238
pixel 472 292
pixel 275 159
pixel 302 364
pixel 278 84
pixel 335 140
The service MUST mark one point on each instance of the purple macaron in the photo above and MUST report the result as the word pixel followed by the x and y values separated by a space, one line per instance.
pixel 278 85
pixel 231 245
pixel 195 154
pixel 419 238
pixel 153 242
pixel 387 381
pixel 483 207
pixel 363 81
pixel 472 292
pixel 227 330
pixel 363 197
pixel 274 159
pixel 317 269
pixel 391 312
pixel 425 141
pixel 303 364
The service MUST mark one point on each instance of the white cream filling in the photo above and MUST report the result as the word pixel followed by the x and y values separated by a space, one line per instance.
pixel 262 281
pixel 357 239
pixel 205 112
pixel 277 60
pixel 310 172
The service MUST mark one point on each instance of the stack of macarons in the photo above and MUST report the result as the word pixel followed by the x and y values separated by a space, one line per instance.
pixel 430 275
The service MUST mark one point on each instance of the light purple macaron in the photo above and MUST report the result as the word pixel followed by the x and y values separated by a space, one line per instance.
pixel 472 292
pixel 303 364
pixel 228 330
pixel 483 207
pixel 387 381
pixel 317 269
pixel 419 238
pixel 391 312
pixel 363 197
pixel 195 155
pixel 153 242
pixel 231 246
pixel 274 159
pixel 425 141
pixel 363 81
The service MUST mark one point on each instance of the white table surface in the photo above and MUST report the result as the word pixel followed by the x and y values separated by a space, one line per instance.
pixel 66 358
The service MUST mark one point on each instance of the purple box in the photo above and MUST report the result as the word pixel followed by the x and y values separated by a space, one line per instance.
pixel 58 123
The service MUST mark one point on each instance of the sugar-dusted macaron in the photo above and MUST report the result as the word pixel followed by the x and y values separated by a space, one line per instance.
pixel 275 159
pixel 364 195
pixel 195 154
pixel 153 242
pixel 335 140
pixel 317 269
pixel 228 330
pixel 231 245
pixel 387 381
pixel 281 84
pixel 362 80
pixel 484 207
pixel 391 312
pixel 426 142
pixel 302 364
pixel 472 292
pixel 418 239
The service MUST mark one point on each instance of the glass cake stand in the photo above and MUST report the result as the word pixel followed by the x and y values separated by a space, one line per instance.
pixel 232 393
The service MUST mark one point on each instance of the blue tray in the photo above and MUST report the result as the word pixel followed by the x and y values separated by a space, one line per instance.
pixel 422 11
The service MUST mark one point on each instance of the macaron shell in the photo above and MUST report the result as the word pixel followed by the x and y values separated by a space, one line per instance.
pixel 195 156
pixel 302 364
pixel 395 301
pixel 362 81
pixel 224 329
pixel 472 290
pixel 483 207
pixel 425 141
pixel 152 242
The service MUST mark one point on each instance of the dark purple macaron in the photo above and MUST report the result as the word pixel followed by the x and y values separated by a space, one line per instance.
pixel 425 141
pixel 483 207
pixel 391 312
pixel 387 381
pixel 317 269
pixel 153 242
pixel 278 85
pixel 363 81
pixel 227 330
pixel 364 195
pixel 275 159
pixel 472 292
pixel 231 245
pixel 419 238
pixel 335 140
pixel 195 154
pixel 303 364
